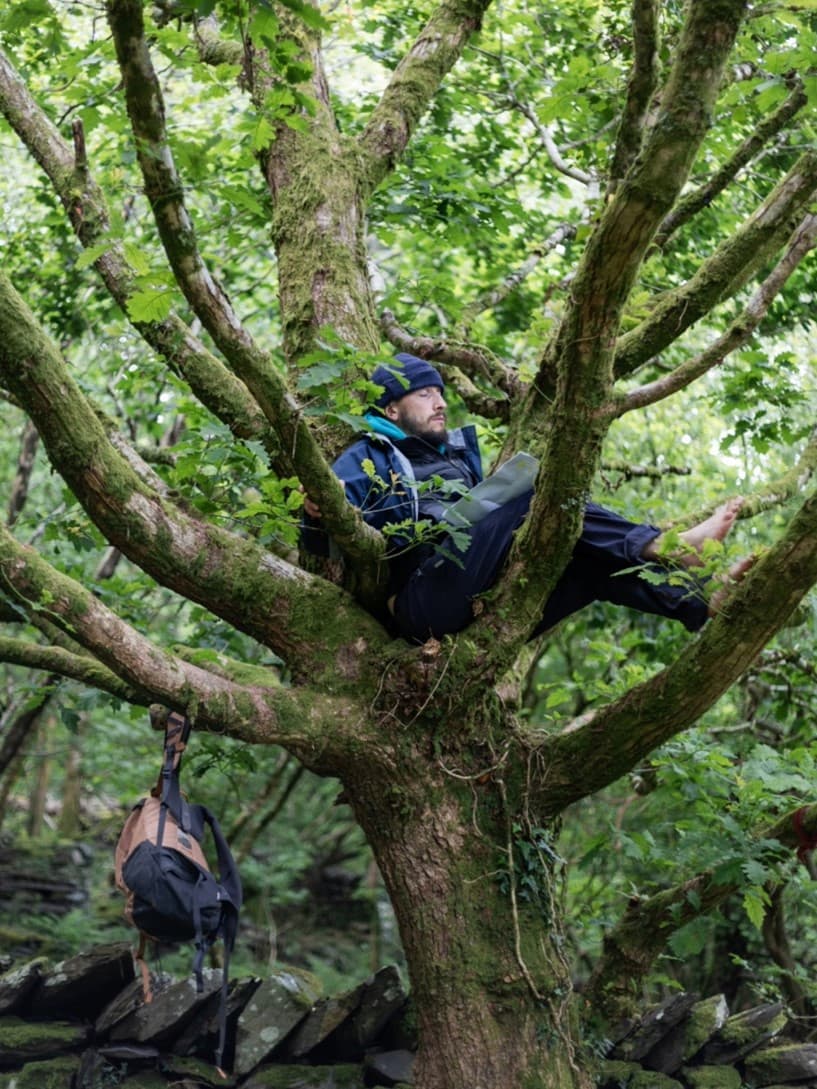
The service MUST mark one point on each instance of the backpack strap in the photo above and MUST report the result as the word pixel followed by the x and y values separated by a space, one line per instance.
pixel 231 895
pixel 177 731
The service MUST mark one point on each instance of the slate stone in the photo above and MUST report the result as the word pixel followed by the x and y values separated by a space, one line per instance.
pixel 653 1027
pixel 23 1042
pixel 712 1077
pixel 165 1018
pixel 201 1035
pixel 615 1073
pixel 129 999
pixel 344 1076
pixel 18 984
pixel 51 1074
pixel 277 1006
pixel 651 1079
pixel 382 997
pixel 785 1063
pixel 389 1068
pixel 83 985
pixel 743 1032
pixel 687 1038
pixel 323 1019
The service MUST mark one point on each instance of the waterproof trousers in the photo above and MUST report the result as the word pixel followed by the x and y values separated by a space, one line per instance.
pixel 438 597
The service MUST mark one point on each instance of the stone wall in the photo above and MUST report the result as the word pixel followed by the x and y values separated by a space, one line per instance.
pixel 84 1024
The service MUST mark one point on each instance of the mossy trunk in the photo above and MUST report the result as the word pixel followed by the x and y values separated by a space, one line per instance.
pixel 477 901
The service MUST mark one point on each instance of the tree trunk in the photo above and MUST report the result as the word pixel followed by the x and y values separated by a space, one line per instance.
pixel 36 812
pixel 479 916
pixel 69 819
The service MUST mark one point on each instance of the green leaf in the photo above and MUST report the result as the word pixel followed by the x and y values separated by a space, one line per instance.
pixel 150 305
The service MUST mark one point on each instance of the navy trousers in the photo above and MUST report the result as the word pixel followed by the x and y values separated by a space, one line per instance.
pixel 437 599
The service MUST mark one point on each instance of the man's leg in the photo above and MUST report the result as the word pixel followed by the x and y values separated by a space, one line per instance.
pixel 438 598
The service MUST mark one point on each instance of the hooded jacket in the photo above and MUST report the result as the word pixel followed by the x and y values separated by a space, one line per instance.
pixel 383 483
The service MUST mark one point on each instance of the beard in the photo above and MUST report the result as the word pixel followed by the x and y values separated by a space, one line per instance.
pixel 420 427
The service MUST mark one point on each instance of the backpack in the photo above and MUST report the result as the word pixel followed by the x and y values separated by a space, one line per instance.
pixel 171 893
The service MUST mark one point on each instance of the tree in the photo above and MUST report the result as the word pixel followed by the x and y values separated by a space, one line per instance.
pixel 660 273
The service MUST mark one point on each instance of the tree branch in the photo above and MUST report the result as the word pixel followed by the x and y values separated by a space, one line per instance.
pixel 632 946
pixel 492 298
pixel 415 82
pixel 299 449
pixel 473 361
pixel 640 88
pixel 78 667
pixel 260 594
pixel 567 429
pixel 738 334
pixel 600 746
pixel 692 203
pixel 84 202
pixel 729 268
pixel 25 464
pixel 261 710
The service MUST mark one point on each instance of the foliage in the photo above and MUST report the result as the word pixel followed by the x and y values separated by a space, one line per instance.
pixel 299 179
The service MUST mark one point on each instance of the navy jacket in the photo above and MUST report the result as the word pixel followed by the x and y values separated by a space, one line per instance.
pixel 382 483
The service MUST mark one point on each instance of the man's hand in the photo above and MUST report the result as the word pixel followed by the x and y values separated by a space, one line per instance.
pixel 311 507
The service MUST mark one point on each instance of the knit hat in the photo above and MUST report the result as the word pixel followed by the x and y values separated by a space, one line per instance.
pixel 404 375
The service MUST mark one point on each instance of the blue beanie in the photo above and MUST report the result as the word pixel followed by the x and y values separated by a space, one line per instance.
pixel 405 375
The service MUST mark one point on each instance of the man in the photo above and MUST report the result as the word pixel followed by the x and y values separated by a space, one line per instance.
pixel 410 467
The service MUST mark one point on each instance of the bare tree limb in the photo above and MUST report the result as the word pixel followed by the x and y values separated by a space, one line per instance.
pixel 299 449
pixel 474 361
pixel 259 593
pixel 736 336
pixel 729 268
pixel 414 83
pixel 690 204
pixel 496 295
pixel 640 88
pixel 25 465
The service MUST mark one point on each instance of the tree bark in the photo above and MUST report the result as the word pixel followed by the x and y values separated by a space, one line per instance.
pixel 477 903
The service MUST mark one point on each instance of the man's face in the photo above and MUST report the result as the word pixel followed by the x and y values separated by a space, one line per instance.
pixel 421 413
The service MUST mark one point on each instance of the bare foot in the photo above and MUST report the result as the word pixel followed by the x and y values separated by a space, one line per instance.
pixel 713 528
pixel 734 575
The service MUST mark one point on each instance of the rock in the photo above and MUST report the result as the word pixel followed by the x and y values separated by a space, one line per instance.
pixel 381 998
pixel 688 1037
pixel 712 1077
pixel 389 1068
pixel 188 1071
pixel 21 1042
pixel 615 1073
pixel 651 1079
pixel 128 1001
pixel 161 1021
pixel 346 1076
pixel 743 1032
pixel 18 984
pixel 786 1063
pixel 51 1074
pixel 278 1005
pixel 201 1036
pixel 323 1019
pixel 84 984
pixel 653 1027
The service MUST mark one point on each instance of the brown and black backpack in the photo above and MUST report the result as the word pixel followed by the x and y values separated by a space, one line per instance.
pixel 171 893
